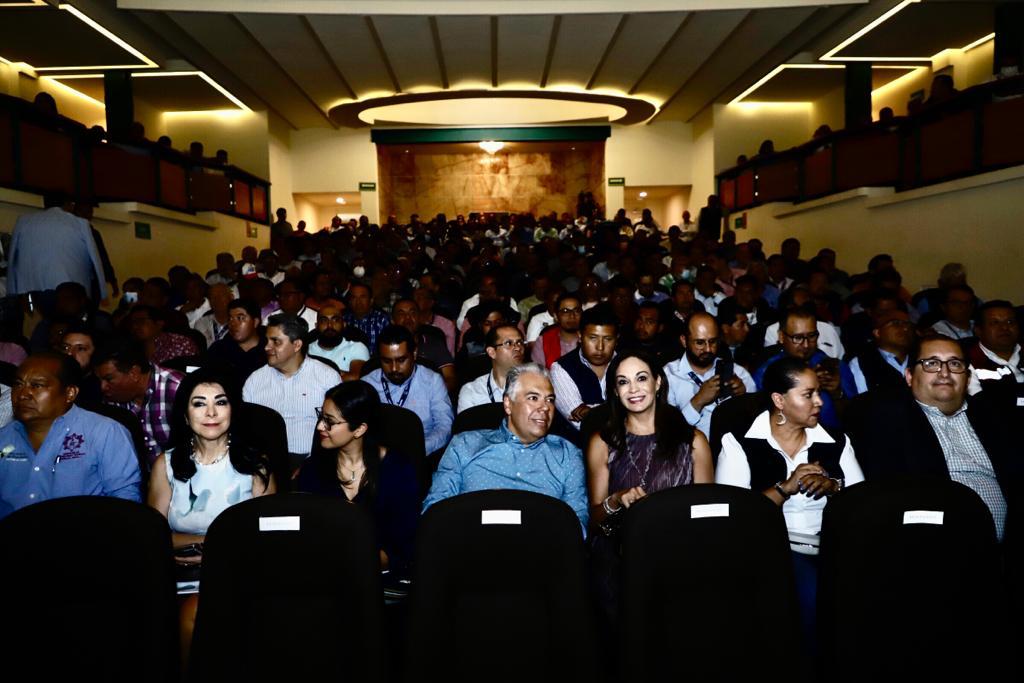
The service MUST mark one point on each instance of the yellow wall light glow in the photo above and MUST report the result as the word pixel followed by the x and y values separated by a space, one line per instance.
pixel 830 55
pixel 203 75
pixel 71 91
pixel 979 42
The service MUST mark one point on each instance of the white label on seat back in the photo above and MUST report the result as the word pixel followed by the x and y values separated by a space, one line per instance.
pixel 709 510
pixel 501 517
pixel 923 517
pixel 1020 401
pixel 279 523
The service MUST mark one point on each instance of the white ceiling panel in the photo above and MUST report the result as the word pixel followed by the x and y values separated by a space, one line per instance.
pixel 350 44
pixel 409 46
pixel 700 37
pixel 641 39
pixel 582 41
pixel 227 41
pixel 289 42
pixel 523 48
pixel 761 32
pixel 466 44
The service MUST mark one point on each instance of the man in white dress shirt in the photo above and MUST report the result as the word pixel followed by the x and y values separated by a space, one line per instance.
pixel 505 347
pixel 290 383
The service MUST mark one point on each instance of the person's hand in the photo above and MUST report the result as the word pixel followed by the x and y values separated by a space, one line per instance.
pixel 580 412
pixel 114 291
pixel 818 485
pixel 792 485
pixel 623 499
pixel 707 393
pixel 737 387
pixel 827 381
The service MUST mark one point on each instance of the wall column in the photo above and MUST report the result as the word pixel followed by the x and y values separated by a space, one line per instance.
pixel 857 94
pixel 117 95
pixel 1009 44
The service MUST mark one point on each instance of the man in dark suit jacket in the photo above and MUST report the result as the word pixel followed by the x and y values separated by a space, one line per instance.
pixel 934 430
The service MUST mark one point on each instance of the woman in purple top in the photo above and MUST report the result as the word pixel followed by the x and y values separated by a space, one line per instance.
pixel 646 446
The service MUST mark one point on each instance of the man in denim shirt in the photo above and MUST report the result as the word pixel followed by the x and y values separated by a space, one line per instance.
pixel 520 454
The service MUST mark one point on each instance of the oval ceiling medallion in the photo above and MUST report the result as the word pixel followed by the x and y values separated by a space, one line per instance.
pixel 492 108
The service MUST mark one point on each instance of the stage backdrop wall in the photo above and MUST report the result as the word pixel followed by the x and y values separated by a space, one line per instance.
pixel 460 178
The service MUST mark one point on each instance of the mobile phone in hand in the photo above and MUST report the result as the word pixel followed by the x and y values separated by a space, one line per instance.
pixel 725 372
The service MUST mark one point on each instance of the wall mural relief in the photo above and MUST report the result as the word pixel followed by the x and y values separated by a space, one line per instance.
pixel 461 178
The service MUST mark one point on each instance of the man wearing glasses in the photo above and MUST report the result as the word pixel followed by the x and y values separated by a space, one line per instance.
pixel 562 337
pixel 934 430
pixel 884 363
pixel 505 347
pixel 798 335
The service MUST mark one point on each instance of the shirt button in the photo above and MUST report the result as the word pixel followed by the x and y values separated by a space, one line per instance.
pixel 31 495
pixel 36 468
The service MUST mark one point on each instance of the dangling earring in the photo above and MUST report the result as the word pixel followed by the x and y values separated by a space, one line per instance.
pixel 781 420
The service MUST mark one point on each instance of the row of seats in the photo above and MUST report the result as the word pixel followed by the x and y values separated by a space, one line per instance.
pixel 974 133
pixel 291 590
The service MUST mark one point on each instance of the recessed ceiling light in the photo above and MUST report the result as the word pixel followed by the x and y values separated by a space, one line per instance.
pixel 340 200
pixel 491 146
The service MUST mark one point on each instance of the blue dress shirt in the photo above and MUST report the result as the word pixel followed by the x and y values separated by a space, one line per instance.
pixel 496 459
pixel 829 417
pixel 427 397
pixel 861 382
pixel 84 454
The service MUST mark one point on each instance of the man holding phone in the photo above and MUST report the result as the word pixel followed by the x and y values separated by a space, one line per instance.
pixel 700 380
pixel 798 335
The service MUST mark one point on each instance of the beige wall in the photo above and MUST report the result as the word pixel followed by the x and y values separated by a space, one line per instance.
pixel 977 225
pixel 740 128
pixel 243 134
pixel 70 103
pixel 703 161
pixel 829 110
pixel 969 68
pixel 279 162
pixel 655 154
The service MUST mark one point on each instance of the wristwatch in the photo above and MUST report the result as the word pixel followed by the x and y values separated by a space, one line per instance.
pixel 782 491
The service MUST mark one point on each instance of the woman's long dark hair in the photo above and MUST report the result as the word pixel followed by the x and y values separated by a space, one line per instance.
pixel 245 457
pixel 358 404
pixel 670 426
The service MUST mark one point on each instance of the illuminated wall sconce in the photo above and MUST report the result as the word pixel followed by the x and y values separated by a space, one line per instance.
pixel 491 146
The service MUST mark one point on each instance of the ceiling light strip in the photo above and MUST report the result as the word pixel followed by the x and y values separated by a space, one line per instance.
pixel 775 72
pixel 147 63
pixel 829 56
pixel 979 42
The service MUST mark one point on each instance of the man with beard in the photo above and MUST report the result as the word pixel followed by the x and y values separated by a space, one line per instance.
pixel 332 343
pixel 505 349
pixel 520 454
pixel 695 381
pixel 400 381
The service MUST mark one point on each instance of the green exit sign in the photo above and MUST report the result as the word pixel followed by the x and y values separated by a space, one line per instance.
pixel 617 181
pixel 367 187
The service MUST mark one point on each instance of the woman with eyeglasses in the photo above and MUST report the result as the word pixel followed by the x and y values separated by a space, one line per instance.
pixel 349 462
pixel 646 446
pixel 795 462
pixel 210 467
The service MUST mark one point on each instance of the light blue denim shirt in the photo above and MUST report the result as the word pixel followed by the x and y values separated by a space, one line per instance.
pixel 497 459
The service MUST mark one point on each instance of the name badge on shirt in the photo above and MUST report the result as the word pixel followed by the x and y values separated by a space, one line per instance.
pixel 514 517
pixel 923 517
pixel 1020 402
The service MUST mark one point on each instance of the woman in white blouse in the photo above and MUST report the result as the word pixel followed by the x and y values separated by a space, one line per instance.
pixel 795 462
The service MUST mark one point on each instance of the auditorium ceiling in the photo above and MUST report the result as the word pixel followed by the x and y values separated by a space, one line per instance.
pixel 327 62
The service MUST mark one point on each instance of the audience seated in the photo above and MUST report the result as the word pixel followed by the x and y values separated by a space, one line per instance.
pixel 579 376
pixel 242 348
pixel 996 359
pixel 505 349
pixel 345 350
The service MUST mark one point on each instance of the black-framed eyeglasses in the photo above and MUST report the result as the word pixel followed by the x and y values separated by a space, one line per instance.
pixel 329 421
pixel 511 344
pixel 803 338
pixel 956 366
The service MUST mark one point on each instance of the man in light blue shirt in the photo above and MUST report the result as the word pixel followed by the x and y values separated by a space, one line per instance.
pixel 35 265
pixel 520 454
pixel 54 449
pixel 402 382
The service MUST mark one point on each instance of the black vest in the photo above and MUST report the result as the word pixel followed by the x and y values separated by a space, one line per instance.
pixel 582 376
pixel 877 371
pixel 767 466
